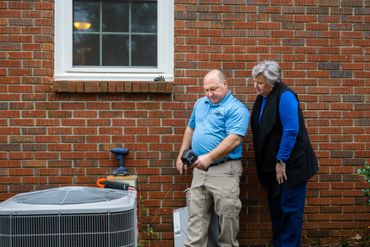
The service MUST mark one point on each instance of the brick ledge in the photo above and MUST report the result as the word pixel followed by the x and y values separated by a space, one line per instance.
pixel 112 87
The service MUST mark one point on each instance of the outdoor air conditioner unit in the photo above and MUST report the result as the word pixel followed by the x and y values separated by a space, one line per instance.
pixel 69 217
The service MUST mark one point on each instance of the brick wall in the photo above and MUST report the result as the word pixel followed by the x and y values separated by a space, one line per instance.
pixel 53 137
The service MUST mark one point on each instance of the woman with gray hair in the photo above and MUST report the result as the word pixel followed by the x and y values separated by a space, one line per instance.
pixel 270 70
pixel 284 157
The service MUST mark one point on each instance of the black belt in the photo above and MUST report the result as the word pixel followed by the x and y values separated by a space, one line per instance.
pixel 223 161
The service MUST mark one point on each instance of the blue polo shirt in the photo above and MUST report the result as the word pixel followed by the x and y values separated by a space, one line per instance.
pixel 212 123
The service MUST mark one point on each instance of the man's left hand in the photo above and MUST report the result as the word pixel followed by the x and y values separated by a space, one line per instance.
pixel 203 162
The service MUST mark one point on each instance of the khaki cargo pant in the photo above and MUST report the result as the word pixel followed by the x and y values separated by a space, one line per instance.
pixel 218 188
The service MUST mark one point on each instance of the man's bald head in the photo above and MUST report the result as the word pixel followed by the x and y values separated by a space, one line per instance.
pixel 215 86
pixel 216 75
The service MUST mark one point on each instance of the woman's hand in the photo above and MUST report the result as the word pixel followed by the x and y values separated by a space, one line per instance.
pixel 280 173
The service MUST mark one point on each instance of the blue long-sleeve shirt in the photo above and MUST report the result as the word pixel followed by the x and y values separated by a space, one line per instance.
pixel 288 111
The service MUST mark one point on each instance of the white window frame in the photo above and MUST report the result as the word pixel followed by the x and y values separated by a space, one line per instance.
pixel 63 53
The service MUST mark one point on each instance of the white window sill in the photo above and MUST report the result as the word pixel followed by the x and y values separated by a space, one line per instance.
pixel 110 77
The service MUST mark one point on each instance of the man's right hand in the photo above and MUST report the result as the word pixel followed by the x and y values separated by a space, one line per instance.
pixel 180 165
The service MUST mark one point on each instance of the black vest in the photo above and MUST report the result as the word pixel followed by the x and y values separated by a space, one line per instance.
pixel 302 163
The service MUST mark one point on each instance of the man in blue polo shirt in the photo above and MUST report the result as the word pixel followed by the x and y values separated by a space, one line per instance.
pixel 215 132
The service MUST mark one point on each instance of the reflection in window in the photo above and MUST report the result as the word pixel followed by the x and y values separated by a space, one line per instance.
pixel 115 50
pixel 144 17
pixel 86 49
pixel 114 33
pixel 115 16
pixel 141 43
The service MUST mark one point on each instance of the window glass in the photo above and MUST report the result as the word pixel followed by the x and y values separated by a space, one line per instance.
pixel 115 16
pixel 145 43
pixel 86 16
pixel 144 17
pixel 86 49
pixel 116 50
pixel 114 33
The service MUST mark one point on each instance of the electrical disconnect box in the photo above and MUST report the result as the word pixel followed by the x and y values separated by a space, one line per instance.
pixel 180 222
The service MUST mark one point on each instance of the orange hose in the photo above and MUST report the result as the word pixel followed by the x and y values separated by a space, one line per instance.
pixel 101 182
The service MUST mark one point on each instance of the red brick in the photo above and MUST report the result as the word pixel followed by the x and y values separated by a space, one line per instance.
pixel 73 133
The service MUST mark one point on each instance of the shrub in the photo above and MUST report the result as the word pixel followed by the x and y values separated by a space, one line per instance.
pixel 365 172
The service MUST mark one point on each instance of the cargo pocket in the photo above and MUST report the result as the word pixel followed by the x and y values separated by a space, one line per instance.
pixel 229 207
pixel 194 201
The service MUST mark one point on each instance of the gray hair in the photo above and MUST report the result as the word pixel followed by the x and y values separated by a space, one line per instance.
pixel 270 69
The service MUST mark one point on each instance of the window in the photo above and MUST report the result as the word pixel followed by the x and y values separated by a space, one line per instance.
pixel 116 40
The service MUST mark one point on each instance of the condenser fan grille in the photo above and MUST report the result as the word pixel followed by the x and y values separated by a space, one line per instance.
pixel 68 195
